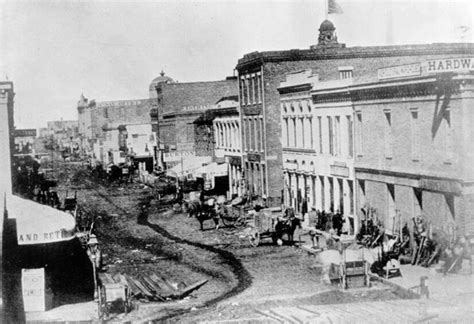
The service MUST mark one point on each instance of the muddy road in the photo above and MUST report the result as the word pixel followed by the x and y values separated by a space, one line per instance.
pixel 141 235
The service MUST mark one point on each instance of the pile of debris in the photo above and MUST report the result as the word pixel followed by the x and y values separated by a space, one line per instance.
pixel 152 287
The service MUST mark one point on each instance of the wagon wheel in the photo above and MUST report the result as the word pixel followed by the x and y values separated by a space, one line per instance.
pixel 240 222
pixel 254 238
pixel 102 303
pixel 342 276
pixel 228 220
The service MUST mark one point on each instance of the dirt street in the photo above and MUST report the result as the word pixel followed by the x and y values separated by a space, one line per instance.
pixel 140 235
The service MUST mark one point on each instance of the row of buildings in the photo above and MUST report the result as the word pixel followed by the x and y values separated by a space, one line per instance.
pixel 336 127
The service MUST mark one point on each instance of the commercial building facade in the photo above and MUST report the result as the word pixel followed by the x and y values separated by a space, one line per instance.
pixel 260 74
pixel 178 106
pixel 115 130
pixel 318 147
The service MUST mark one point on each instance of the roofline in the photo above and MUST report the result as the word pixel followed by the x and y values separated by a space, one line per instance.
pixel 193 82
pixel 326 53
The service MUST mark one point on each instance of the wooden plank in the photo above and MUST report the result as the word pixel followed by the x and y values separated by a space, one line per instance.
pixel 135 290
pixel 142 288
pixel 186 291
pixel 156 288
pixel 163 284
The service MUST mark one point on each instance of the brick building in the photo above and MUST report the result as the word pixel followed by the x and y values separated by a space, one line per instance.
pixel 414 144
pixel 178 106
pixel 218 135
pixel 260 74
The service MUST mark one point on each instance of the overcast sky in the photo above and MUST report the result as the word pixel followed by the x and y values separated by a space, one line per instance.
pixel 109 50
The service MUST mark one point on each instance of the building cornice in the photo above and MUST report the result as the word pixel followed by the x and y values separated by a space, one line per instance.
pixel 331 53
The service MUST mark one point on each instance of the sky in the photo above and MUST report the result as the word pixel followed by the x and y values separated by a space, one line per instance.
pixel 111 50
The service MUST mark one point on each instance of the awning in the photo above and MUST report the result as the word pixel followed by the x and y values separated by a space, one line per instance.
pixel 39 224
pixel 212 170
pixel 188 165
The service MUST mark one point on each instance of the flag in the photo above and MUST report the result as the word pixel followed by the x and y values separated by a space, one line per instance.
pixel 334 7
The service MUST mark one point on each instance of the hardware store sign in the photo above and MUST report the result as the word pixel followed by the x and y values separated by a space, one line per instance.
pixel 450 65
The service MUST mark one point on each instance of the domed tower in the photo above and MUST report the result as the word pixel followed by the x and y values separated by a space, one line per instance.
pixel 159 80
pixel 327 33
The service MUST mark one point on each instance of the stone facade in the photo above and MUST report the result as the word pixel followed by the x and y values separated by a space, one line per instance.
pixel 318 150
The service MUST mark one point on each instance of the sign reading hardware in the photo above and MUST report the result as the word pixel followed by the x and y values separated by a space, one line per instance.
pixel 450 65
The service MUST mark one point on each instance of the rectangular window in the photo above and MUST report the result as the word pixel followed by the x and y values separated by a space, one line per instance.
pixel 264 180
pixel 331 194
pixel 415 140
pixel 360 134
pixel 244 91
pixel 189 132
pixel 388 134
pixel 320 134
pixel 286 139
pixel 246 135
pixel 345 72
pixel 294 132
pixel 350 186
pixel 251 89
pixel 337 136
pixel 322 193
pixel 106 113
pixel 258 135
pixel 262 135
pixel 331 136
pixel 259 87
pixel 350 139
pixel 310 126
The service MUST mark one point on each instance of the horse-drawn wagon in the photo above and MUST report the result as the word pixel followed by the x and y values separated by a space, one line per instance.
pixel 270 223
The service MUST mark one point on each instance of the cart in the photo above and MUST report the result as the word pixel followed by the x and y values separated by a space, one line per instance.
pixel 234 216
pixel 113 297
pixel 354 273
pixel 264 226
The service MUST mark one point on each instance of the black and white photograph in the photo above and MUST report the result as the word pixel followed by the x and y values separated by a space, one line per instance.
pixel 237 161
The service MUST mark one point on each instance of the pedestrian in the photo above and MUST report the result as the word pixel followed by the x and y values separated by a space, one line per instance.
pixel 310 220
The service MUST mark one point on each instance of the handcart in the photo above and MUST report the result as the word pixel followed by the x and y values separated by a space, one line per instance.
pixel 353 273
pixel 113 297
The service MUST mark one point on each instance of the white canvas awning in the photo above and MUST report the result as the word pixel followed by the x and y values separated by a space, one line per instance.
pixel 189 165
pixel 212 170
pixel 39 224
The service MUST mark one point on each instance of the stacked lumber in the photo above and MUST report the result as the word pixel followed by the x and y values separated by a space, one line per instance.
pixel 152 287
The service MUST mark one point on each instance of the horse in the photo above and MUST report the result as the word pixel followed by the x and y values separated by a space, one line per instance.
pixel 203 211
pixel 287 225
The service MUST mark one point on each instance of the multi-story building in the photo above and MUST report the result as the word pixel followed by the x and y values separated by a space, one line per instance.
pixel 414 143
pixel 317 141
pixel 178 106
pixel 400 142
pixel 260 74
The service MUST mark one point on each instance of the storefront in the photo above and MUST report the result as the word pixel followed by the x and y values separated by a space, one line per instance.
pixel 44 264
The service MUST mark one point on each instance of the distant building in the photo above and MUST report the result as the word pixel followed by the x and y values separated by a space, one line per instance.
pixel 260 74
pixel 178 106
pixel 115 130
pixel 217 134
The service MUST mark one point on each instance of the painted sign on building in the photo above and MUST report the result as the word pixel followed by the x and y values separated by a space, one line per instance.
pixel 177 156
pixel 399 71
pixel 450 65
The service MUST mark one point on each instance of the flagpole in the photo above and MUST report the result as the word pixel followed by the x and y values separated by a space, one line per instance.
pixel 326 9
